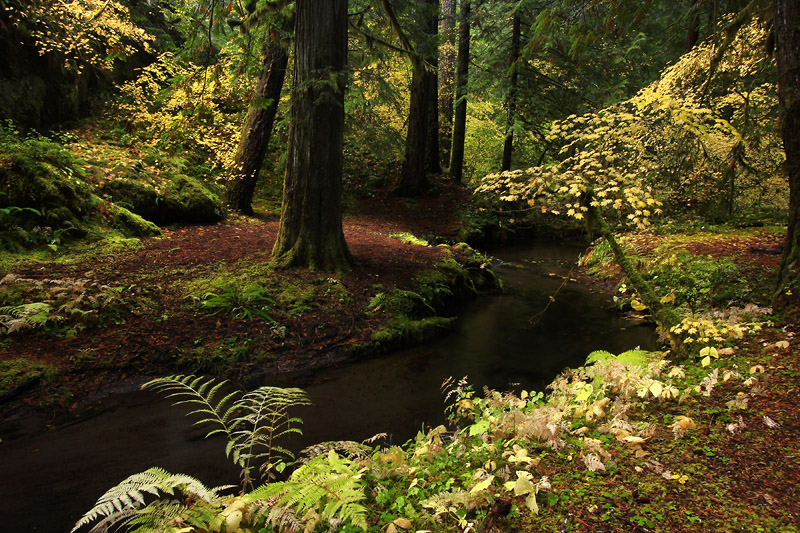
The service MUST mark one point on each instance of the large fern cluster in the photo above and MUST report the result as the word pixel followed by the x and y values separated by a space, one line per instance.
pixel 326 490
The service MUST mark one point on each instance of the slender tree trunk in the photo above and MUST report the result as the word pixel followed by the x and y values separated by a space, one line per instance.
pixel 787 53
pixel 694 24
pixel 462 71
pixel 257 128
pixel 447 65
pixel 310 233
pixel 664 317
pixel 433 163
pixel 511 103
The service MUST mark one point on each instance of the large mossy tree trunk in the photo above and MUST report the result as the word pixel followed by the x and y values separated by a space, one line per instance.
pixel 462 72
pixel 787 52
pixel 258 124
pixel 511 99
pixel 310 233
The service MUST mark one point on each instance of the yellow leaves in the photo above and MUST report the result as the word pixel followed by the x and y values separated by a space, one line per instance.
pixel 524 486
pixel 656 388
pixel 637 305
pixel 707 353
pixel 668 299
pixel 483 485
pixel 518 455
pixel 681 424
pixel 680 478
pixel 402 523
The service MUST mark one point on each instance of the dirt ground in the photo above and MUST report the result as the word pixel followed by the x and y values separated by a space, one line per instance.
pixel 146 338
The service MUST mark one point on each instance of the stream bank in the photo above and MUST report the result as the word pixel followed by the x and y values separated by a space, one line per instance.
pixel 494 342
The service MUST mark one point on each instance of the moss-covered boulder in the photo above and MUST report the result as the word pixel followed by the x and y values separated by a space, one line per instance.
pixel 42 194
pixel 177 199
pixel 130 224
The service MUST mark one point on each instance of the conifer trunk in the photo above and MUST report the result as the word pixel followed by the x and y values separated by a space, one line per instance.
pixel 310 233
pixel 511 101
pixel 447 64
pixel 422 137
pixel 462 71
pixel 257 128
pixel 787 53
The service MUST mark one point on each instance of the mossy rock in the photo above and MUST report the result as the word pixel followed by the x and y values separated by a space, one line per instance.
pixel 61 201
pixel 56 199
pixel 181 199
pixel 130 224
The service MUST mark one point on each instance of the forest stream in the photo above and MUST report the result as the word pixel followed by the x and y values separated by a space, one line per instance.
pixel 50 479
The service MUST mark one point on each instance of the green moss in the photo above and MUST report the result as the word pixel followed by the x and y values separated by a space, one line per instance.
pixel 168 199
pixel 16 372
pixel 220 357
pixel 403 331
pixel 130 224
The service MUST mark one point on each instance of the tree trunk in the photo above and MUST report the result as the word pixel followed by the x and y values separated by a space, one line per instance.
pixel 511 104
pixel 422 144
pixel 414 179
pixel 664 317
pixel 694 25
pixel 433 164
pixel 462 71
pixel 310 233
pixel 447 64
pixel 787 53
pixel 257 128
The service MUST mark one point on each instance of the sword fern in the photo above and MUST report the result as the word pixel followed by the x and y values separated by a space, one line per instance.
pixel 252 422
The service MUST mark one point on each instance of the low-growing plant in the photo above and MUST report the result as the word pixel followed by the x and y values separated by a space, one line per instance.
pixel 240 304
pixel 325 489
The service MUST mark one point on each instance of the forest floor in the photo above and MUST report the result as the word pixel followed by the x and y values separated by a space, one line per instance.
pixel 737 470
pixel 137 313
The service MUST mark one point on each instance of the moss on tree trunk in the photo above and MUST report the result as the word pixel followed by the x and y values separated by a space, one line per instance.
pixel 664 317
pixel 310 233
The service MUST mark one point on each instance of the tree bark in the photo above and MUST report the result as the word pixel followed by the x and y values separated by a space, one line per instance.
pixel 462 72
pixel 422 137
pixel 787 53
pixel 664 317
pixel 257 128
pixel 310 233
pixel 447 64
pixel 433 164
pixel 511 103
pixel 694 25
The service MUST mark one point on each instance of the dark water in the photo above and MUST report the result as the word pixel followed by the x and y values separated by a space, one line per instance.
pixel 48 480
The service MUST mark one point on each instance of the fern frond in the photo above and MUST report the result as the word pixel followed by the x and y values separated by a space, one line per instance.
pixel 348 448
pixel 327 485
pixel 122 503
pixel 194 391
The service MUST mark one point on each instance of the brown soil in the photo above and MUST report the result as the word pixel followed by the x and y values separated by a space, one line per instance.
pixel 150 336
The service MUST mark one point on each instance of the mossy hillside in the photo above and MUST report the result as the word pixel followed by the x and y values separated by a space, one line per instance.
pixel 44 198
